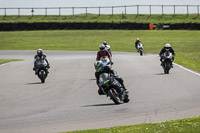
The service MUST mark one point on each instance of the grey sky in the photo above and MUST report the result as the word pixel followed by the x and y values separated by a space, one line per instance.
pixel 90 3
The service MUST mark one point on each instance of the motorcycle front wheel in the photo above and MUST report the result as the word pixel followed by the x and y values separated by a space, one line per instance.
pixel 42 76
pixel 167 67
pixel 114 96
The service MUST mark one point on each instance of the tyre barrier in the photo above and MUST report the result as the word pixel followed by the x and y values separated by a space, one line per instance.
pixel 96 25
pixel 72 26
pixel 181 26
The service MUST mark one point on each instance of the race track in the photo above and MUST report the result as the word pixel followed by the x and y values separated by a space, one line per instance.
pixel 69 99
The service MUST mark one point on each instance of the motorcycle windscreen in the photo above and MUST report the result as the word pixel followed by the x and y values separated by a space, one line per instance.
pixel 41 64
pixel 105 60
pixel 168 54
pixel 104 80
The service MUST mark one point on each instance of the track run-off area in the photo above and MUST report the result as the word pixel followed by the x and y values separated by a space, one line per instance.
pixel 69 100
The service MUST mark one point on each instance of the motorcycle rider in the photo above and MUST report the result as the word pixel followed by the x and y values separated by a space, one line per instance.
pixel 164 49
pixel 100 68
pixel 107 47
pixel 40 56
pixel 102 52
pixel 136 43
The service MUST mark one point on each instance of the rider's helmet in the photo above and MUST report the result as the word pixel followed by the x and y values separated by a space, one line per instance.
pixel 137 39
pixel 98 66
pixel 105 43
pixel 102 47
pixel 108 47
pixel 167 46
pixel 39 52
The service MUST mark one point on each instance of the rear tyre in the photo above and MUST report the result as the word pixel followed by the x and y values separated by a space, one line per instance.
pixel 126 99
pixel 141 52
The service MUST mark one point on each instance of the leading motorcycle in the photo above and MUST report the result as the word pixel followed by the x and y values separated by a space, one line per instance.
pixel 106 61
pixel 42 70
pixel 108 49
pixel 140 48
pixel 112 88
pixel 167 59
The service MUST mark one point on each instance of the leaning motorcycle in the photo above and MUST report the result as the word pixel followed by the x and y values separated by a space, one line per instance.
pixel 42 70
pixel 167 60
pixel 112 88
pixel 140 48
pixel 106 61
pixel 108 49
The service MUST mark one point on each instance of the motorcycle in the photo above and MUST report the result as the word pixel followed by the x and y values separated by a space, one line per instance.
pixel 106 61
pixel 167 60
pixel 42 70
pixel 112 88
pixel 140 48
pixel 108 49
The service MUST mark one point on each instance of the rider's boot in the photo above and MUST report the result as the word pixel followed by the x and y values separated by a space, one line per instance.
pixel 161 63
pixel 47 70
pixel 36 71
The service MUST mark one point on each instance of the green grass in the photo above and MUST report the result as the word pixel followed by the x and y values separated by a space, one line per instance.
pixel 142 18
pixel 185 42
pixel 2 61
pixel 190 125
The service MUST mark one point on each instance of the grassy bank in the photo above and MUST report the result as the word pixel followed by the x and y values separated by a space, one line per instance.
pixel 2 61
pixel 154 18
pixel 191 125
pixel 185 43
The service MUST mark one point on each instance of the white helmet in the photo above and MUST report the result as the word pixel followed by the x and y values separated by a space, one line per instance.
pixel 168 45
pixel 108 47
pixel 101 47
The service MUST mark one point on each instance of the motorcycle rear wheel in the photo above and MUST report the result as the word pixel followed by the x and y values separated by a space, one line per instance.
pixel 126 99
pixel 141 53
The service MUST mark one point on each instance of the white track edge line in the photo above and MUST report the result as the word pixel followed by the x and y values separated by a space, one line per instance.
pixel 198 74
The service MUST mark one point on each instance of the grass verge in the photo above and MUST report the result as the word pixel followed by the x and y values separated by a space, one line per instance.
pixel 2 61
pixel 189 125
pixel 185 42
pixel 141 18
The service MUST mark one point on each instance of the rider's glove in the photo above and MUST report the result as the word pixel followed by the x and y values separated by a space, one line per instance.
pixel 112 63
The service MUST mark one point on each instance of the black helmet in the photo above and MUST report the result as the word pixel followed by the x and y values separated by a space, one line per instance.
pixel 104 42
pixel 39 52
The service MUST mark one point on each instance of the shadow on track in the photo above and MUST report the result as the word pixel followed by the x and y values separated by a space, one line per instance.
pixel 160 74
pixel 92 79
pixel 108 104
pixel 34 83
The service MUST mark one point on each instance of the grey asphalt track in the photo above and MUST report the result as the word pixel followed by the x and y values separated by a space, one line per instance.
pixel 69 99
